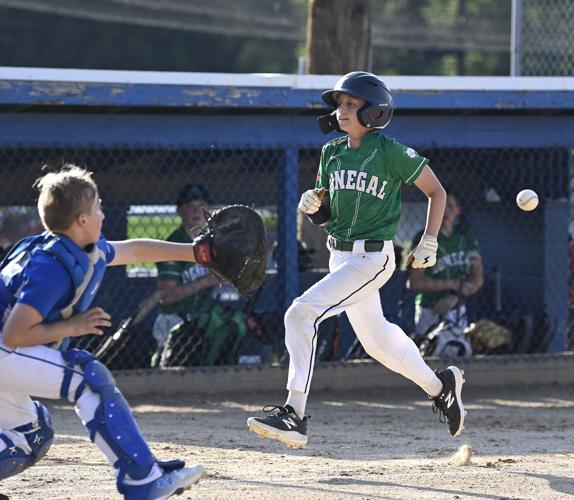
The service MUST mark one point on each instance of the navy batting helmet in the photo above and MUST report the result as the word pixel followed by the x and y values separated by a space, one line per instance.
pixel 378 109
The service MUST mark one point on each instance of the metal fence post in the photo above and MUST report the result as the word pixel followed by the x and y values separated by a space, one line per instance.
pixel 515 38
pixel 287 227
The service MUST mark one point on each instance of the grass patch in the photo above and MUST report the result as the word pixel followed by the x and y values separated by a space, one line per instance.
pixel 157 227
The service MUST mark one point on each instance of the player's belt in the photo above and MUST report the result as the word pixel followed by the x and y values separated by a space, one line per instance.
pixel 347 246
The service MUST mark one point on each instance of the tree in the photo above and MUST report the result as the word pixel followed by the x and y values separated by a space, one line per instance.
pixel 338 42
pixel 338 36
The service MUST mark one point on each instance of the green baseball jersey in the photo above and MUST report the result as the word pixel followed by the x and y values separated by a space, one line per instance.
pixel 452 261
pixel 183 272
pixel 365 185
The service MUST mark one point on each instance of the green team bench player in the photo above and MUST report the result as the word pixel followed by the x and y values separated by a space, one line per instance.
pixel 457 274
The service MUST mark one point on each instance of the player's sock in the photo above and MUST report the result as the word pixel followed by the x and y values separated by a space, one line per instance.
pixel 436 387
pixel 298 401
pixel 413 366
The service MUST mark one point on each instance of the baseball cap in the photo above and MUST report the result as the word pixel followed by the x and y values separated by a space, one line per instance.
pixel 192 192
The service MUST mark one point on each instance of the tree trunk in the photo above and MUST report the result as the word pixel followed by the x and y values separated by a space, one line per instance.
pixel 338 36
pixel 338 42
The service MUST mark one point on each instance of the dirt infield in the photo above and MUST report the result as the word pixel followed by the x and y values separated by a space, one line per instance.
pixel 364 445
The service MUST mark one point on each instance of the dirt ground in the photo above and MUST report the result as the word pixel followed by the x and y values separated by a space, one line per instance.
pixel 363 445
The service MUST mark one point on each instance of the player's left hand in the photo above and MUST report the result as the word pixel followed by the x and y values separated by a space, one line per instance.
pixel 88 322
pixel 424 254
pixel 310 202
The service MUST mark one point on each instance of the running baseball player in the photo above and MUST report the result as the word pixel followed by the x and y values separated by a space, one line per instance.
pixel 47 287
pixel 363 172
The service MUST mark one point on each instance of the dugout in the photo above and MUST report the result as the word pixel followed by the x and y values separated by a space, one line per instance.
pixel 253 139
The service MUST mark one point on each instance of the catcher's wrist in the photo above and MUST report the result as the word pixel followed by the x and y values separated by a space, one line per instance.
pixel 202 253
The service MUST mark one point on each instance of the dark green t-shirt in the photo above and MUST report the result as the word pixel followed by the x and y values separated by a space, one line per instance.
pixel 183 272
pixel 452 261
pixel 365 185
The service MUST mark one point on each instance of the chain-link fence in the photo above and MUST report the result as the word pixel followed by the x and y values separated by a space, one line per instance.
pixel 546 39
pixel 523 303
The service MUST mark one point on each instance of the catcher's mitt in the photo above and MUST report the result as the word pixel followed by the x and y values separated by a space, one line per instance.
pixel 232 245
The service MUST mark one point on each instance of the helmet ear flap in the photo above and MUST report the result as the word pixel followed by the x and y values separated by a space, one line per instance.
pixel 329 122
pixel 364 115
pixel 375 116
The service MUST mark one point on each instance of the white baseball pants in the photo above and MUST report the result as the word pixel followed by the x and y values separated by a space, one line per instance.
pixel 38 371
pixel 353 286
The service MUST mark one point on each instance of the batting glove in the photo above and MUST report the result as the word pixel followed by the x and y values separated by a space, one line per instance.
pixel 424 254
pixel 310 202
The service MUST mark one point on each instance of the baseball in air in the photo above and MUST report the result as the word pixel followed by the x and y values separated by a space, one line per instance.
pixel 527 200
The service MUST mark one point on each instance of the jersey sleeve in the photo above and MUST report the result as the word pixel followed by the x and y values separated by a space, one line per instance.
pixel 47 285
pixel 169 270
pixel 108 249
pixel 406 163
pixel 322 179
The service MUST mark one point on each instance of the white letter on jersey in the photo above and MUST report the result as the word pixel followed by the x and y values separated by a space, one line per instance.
pixel 381 194
pixel 351 177
pixel 373 183
pixel 339 179
pixel 361 178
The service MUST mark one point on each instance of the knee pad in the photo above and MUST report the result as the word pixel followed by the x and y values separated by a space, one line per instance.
pixel 114 422
pixel 39 435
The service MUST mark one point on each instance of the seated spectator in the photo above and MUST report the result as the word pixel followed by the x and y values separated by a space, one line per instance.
pixel 458 274
pixel 185 285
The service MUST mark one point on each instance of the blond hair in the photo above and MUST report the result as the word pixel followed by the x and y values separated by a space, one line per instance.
pixel 64 195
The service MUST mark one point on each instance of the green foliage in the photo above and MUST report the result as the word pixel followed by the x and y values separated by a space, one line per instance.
pixel 150 226
pixel 411 37
pixel 441 37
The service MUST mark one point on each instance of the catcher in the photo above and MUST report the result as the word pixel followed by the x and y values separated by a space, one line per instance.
pixel 47 288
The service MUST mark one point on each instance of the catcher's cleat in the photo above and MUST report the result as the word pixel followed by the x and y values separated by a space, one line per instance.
pixel 174 482
pixel 449 403
pixel 282 424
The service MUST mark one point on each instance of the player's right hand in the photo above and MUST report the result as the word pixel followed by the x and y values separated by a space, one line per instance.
pixel 424 254
pixel 90 322
pixel 310 202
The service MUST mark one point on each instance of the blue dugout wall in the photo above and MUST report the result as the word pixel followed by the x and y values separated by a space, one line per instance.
pixel 482 119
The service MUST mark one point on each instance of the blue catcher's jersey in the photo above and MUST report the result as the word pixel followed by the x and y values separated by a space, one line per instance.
pixel 53 275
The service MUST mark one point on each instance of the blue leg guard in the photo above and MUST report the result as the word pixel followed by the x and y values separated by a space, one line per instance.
pixel 39 434
pixel 13 460
pixel 113 420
